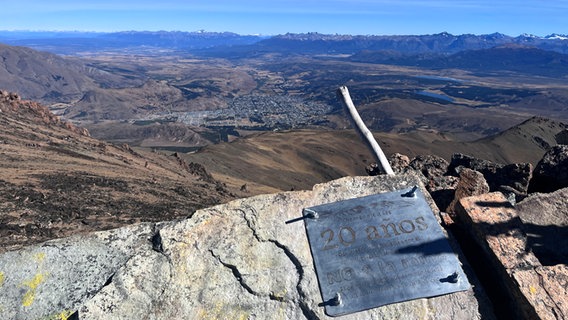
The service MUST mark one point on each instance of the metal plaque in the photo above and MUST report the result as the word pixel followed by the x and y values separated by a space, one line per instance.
pixel 380 249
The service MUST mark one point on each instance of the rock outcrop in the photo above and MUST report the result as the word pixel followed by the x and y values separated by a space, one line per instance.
pixel 515 176
pixel 471 183
pixel 12 104
pixel 545 219
pixel 234 261
pixel 529 289
pixel 442 178
pixel 399 162
pixel 562 137
pixel 438 182
pixel 551 173
pixel 432 167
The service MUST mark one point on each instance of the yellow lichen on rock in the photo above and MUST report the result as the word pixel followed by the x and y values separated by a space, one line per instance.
pixel 39 257
pixel 532 290
pixel 32 285
pixel 64 315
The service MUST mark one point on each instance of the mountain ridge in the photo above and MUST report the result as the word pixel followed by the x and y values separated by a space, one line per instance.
pixel 46 76
pixel 441 43
pixel 298 159
pixel 515 57
pixel 313 42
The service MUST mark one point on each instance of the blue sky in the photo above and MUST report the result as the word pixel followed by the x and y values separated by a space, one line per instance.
pixel 381 17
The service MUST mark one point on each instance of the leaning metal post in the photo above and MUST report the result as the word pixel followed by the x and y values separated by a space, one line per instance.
pixel 364 131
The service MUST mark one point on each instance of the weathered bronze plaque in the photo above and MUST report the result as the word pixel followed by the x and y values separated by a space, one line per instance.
pixel 380 249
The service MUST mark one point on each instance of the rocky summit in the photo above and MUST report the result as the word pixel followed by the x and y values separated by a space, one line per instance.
pixel 239 260
pixel 242 260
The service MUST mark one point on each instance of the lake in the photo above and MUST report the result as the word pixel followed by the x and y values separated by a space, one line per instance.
pixel 436 95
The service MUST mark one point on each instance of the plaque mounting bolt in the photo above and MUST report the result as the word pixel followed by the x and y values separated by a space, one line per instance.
pixel 453 278
pixel 336 300
pixel 308 214
pixel 411 193
pixel 311 214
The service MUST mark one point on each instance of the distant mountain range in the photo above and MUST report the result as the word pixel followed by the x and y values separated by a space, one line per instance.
pixel 305 43
pixel 529 54
pixel 510 57
pixel 441 43
pixel 70 43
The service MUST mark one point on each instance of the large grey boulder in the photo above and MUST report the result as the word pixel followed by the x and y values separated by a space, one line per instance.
pixel 234 261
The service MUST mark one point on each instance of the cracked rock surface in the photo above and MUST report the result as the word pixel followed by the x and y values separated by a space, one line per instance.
pixel 234 261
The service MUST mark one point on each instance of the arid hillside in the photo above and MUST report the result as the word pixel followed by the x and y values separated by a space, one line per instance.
pixel 55 180
pixel 291 160
pixel 50 78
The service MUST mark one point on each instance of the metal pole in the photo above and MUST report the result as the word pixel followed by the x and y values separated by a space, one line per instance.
pixel 364 131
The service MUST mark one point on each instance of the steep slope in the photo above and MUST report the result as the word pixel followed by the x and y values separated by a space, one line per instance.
pixel 292 160
pixel 50 78
pixel 40 75
pixel 525 142
pixel 55 180
pixel 286 160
